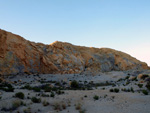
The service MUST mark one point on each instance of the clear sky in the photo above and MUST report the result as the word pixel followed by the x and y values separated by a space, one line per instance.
pixel 119 24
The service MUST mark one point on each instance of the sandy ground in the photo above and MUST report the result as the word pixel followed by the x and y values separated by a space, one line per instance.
pixel 108 102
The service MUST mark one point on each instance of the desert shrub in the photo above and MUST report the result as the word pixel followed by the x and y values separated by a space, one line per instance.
pixel 55 88
pixel 57 106
pixel 104 84
pixel 121 79
pixel 47 89
pixel 89 88
pixel 45 95
pixel 144 76
pixel 116 90
pixel 127 82
pixel 16 104
pixel 148 85
pixel 69 103
pixel 27 110
pixel 78 106
pixel 105 95
pixel 28 97
pixel 1 80
pixel 135 79
pixel 111 90
pixel 103 88
pixel 125 90
pixel 58 84
pixel 132 90
pixel 27 87
pixel 36 89
pixel 128 90
pixel 59 92
pixel 140 85
pixel 113 97
pixel 96 97
pixel 85 96
pixel 36 100
pixel 145 92
pixel 82 111
pixel 52 94
pixel 19 95
pixel 6 87
pixel 74 84
pixel 127 77
pixel 63 105
pixel 45 103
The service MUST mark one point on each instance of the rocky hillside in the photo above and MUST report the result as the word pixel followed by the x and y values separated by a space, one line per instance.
pixel 18 55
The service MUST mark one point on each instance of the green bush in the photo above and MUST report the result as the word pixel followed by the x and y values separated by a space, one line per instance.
pixel 36 89
pixel 140 85
pixel 85 96
pixel 27 87
pixel 74 84
pixel 116 90
pixel 52 94
pixel 145 92
pixel 47 89
pixel 19 95
pixel 36 100
pixel 127 77
pixel 45 95
pixel 96 97
pixel 148 85
pixel 127 82
pixel 111 90
pixel 132 90
pixel 82 111
pixel 6 87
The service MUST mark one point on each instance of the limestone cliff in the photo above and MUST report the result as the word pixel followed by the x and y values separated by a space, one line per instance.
pixel 18 55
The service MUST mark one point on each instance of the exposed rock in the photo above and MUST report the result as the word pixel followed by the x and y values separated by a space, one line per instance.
pixel 18 55
pixel 143 76
pixel 132 77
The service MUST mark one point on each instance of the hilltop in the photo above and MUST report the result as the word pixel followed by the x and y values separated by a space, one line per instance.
pixel 18 55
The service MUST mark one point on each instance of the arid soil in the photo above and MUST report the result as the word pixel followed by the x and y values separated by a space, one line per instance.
pixel 111 92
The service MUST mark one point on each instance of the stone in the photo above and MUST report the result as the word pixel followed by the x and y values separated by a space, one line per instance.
pixel 18 55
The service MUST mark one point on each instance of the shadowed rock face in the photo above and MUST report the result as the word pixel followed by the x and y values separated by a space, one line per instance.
pixel 18 55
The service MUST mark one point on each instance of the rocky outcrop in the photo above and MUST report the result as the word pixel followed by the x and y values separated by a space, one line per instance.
pixel 18 55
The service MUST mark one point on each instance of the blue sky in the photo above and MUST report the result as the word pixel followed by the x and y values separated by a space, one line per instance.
pixel 119 24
